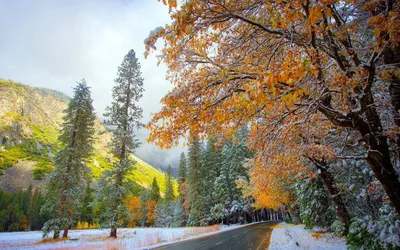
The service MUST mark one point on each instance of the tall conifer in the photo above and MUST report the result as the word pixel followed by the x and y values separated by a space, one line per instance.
pixel 68 179
pixel 124 115
pixel 155 190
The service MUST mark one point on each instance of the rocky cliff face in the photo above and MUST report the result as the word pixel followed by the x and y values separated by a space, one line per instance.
pixel 29 125
pixel 39 106
pixel 24 109
pixel 30 120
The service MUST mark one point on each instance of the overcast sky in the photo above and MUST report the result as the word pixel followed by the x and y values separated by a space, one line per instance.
pixel 55 43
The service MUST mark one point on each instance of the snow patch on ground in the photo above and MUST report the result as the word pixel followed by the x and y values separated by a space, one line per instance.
pixel 128 238
pixel 295 237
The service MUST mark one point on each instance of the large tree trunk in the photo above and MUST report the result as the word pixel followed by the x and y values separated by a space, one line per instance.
pixel 288 215
pixel 378 158
pixel 386 174
pixel 391 56
pixel 326 176
pixel 376 143
pixel 65 233
pixel 63 199
pixel 113 233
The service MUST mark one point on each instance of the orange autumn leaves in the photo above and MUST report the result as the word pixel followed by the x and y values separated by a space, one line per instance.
pixel 269 65
pixel 134 209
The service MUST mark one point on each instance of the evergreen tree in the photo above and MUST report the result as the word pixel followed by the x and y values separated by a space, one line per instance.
pixel 155 190
pixel 33 212
pixel 209 170
pixel 315 203
pixel 87 214
pixel 226 192
pixel 178 214
pixel 194 182
pixel 182 169
pixel 68 179
pixel 125 114
pixel 183 189
pixel 164 214
pixel 169 189
pixel 161 215
pixel 144 197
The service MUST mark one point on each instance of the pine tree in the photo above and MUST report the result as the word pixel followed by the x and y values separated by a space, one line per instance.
pixel 125 114
pixel 178 214
pixel 144 197
pixel 169 189
pixel 182 169
pixel 161 215
pixel 68 179
pixel 183 189
pixel 315 203
pixel 194 182
pixel 226 192
pixel 87 214
pixel 155 190
pixel 209 170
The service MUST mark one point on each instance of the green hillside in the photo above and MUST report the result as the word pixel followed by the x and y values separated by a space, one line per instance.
pixel 29 125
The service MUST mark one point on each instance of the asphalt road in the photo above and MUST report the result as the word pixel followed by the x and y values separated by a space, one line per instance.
pixel 255 237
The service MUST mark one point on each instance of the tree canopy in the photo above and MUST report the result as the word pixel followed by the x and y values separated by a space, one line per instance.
pixel 304 74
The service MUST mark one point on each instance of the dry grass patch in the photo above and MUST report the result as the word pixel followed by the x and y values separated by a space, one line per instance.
pixel 286 226
pixel 115 245
pixel 201 230
pixel 317 235
pixel 149 239
pixel 51 240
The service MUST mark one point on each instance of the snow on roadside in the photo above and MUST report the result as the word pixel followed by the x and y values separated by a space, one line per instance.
pixel 295 237
pixel 128 238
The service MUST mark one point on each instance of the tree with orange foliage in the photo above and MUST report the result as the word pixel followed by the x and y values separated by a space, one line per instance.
pixel 133 204
pixel 294 70
pixel 150 212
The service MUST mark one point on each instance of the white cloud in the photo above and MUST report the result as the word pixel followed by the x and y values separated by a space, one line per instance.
pixel 53 44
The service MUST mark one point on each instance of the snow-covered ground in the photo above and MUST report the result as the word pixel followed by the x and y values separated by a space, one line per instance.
pixel 284 236
pixel 128 238
pixel 288 237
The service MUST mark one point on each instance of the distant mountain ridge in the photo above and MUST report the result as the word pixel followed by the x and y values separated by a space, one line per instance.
pixel 29 126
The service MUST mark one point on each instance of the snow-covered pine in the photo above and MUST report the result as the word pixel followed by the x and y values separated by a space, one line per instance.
pixel 226 192
pixel 315 204
pixel 64 195
pixel 209 170
pixel 164 213
pixel 125 115
pixel 219 212
pixel 178 214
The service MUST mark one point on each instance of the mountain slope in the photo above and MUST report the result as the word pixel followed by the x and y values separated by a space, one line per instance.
pixel 29 125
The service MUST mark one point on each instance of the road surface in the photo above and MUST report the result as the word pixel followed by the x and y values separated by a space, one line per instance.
pixel 255 237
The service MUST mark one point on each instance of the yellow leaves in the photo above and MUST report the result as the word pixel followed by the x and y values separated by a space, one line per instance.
pixel 385 25
pixel 315 15
pixel 269 179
